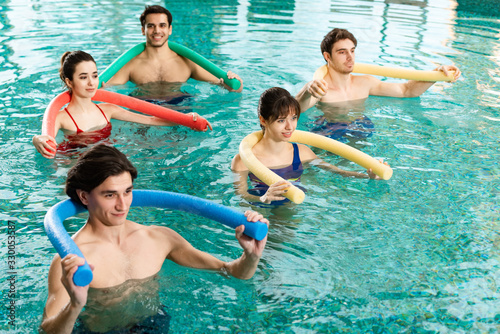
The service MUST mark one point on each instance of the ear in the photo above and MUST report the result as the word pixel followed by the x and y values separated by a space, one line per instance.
pixel 327 56
pixel 68 83
pixel 83 195
pixel 170 30
pixel 143 31
pixel 262 121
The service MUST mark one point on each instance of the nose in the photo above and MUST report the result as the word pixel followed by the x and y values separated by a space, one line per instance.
pixel 288 124
pixel 120 204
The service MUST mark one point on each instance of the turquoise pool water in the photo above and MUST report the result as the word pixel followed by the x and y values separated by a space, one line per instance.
pixel 416 254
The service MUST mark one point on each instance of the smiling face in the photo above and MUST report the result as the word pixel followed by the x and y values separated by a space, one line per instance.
pixel 282 128
pixel 156 29
pixel 110 202
pixel 85 79
pixel 341 59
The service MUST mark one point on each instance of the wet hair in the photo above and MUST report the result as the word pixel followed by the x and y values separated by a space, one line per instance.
pixel 69 61
pixel 155 9
pixel 277 102
pixel 94 167
pixel 334 36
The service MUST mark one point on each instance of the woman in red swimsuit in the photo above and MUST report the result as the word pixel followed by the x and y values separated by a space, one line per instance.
pixel 278 115
pixel 83 121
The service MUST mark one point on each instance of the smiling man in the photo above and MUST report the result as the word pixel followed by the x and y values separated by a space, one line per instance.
pixel 339 85
pixel 125 256
pixel 158 63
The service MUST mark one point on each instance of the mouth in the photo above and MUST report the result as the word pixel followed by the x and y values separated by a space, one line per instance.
pixel 287 134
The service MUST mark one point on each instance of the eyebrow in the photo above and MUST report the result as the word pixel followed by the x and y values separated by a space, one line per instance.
pixel 85 73
pixel 104 192
pixel 345 49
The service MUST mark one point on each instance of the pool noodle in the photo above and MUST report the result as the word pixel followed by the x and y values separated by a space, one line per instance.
pixel 392 72
pixel 177 48
pixel 293 193
pixel 49 117
pixel 64 245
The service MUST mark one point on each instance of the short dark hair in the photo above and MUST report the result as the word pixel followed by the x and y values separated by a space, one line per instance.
pixel 277 102
pixel 69 61
pixel 94 167
pixel 334 36
pixel 155 9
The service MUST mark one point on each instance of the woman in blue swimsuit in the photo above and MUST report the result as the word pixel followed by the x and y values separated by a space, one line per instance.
pixel 278 115
pixel 82 121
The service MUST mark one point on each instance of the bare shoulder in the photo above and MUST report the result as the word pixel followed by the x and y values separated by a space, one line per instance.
pixel 306 154
pixel 237 164
pixel 365 80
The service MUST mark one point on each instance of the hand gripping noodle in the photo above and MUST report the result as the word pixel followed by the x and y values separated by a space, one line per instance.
pixel 295 194
pixel 392 72
pixel 64 245
pixel 177 48
pixel 49 117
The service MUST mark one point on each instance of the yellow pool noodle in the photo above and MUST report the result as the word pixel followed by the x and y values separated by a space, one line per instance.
pixel 295 194
pixel 392 72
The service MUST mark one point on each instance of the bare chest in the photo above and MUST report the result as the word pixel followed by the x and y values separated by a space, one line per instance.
pixel 165 71
pixel 114 265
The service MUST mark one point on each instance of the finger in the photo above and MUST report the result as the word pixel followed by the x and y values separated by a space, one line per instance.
pixel 239 231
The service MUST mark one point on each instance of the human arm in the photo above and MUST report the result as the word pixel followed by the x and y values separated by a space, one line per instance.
pixel 245 266
pixel 200 74
pixel 116 112
pixel 65 300
pixel 46 145
pixel 183 253
pixel 311 93
pixel 411 88
pixel 329 167
pixel 120 78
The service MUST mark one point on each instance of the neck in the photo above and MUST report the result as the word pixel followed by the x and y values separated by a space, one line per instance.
pixel 111 234
pixel 270 146
pixel 338 79
pixel 158 51
pixel 79 103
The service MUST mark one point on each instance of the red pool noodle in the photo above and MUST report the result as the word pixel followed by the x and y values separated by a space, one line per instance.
pixel 49 117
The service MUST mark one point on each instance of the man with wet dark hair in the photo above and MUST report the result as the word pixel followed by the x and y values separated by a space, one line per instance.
pixel 158 63
pixel 339 85
pixel 120 251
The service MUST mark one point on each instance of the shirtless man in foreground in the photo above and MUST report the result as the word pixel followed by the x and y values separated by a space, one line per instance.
pixel 158 63
pixel 119 250
pixel 339 85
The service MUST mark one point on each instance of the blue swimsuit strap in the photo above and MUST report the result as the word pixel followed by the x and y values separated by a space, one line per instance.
pixel 296 157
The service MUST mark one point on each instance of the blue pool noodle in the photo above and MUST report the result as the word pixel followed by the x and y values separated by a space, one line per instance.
pixel 64 245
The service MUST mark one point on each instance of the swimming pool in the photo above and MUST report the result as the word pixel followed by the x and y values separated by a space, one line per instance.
pixel 419 253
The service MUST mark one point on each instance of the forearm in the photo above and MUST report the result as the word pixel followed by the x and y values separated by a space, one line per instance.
pixel 305 98
pixel 332 168
pixel 416 88
pixel 63 322
pixel 244 267
pixel 160 122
